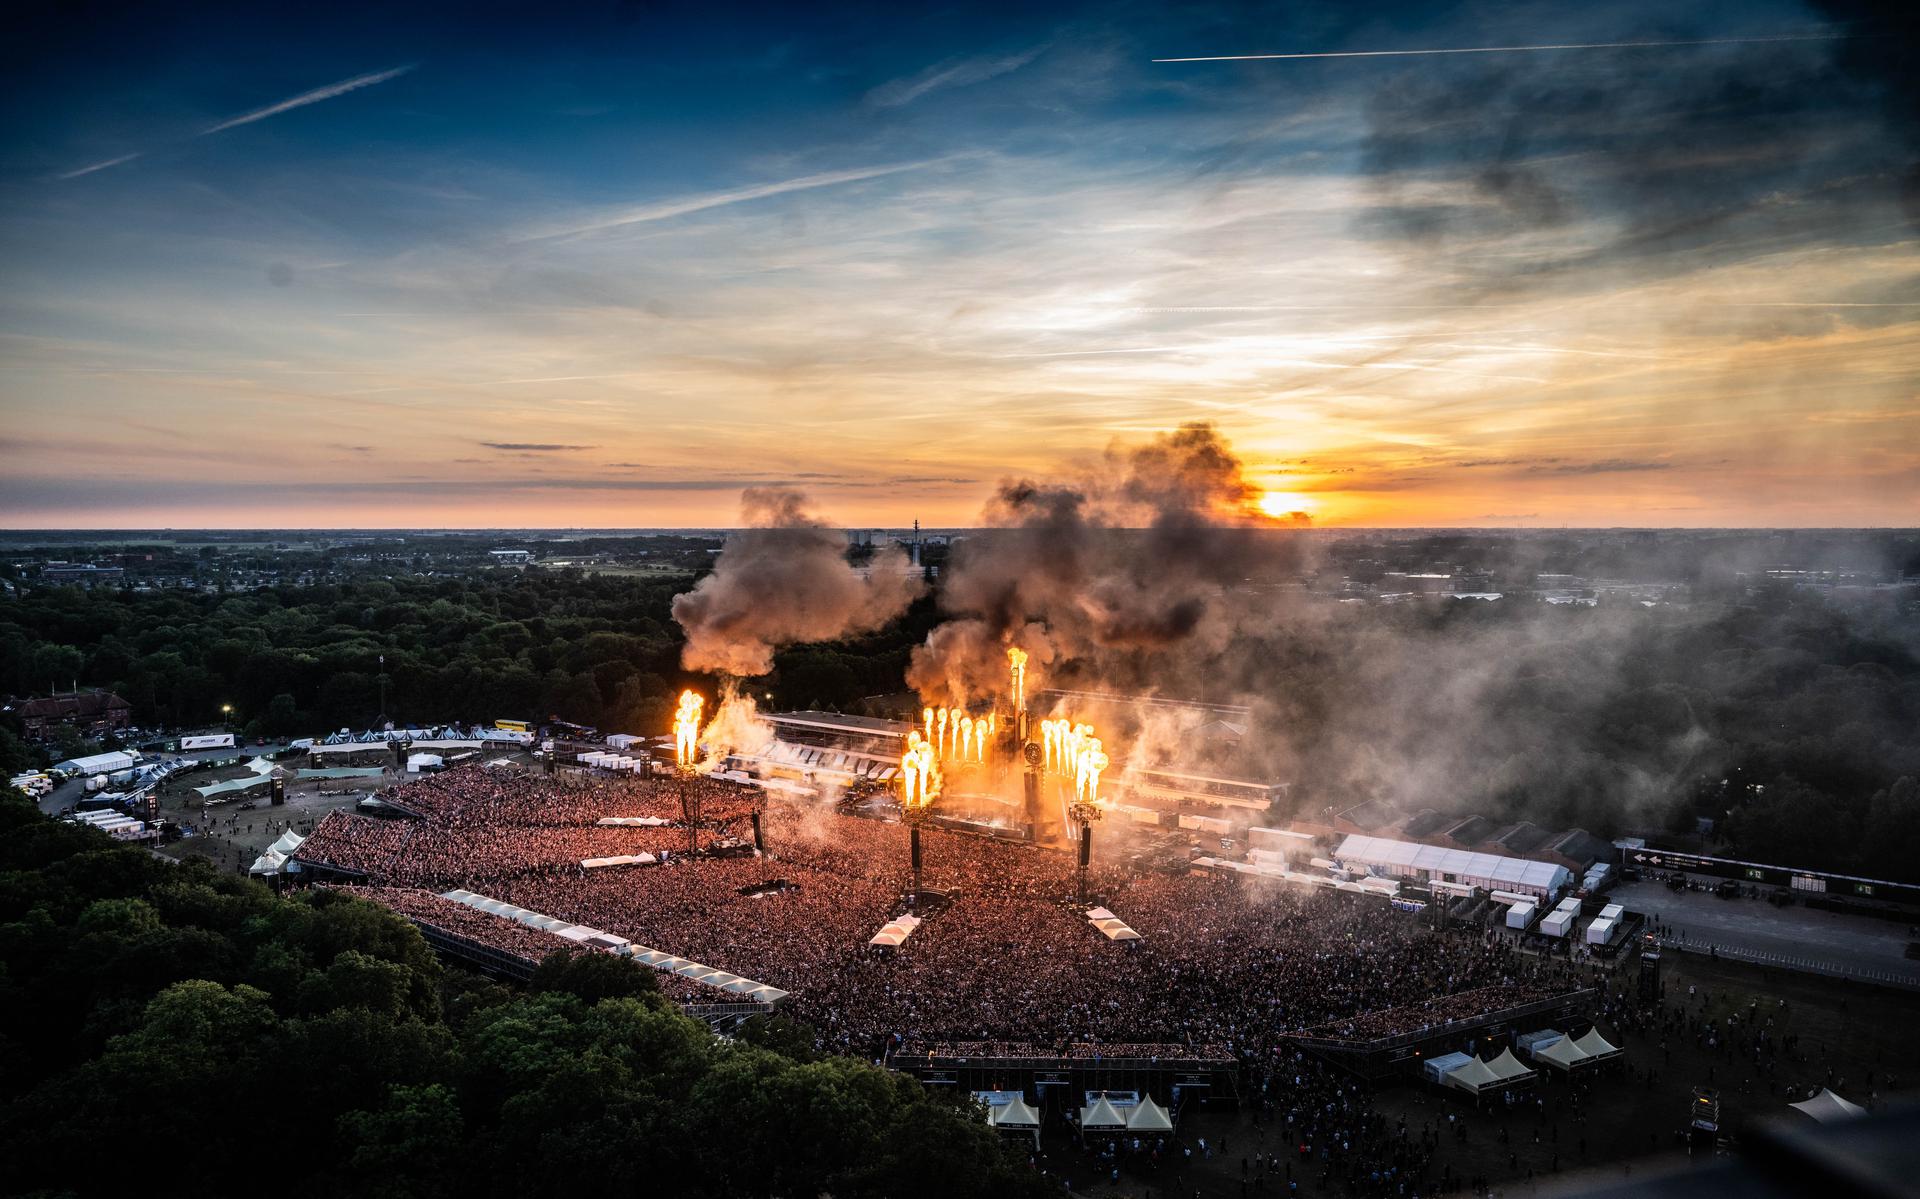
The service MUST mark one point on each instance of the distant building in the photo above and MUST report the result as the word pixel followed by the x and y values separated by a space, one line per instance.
pixel 81 574
pixel 93 713
pixel 510 557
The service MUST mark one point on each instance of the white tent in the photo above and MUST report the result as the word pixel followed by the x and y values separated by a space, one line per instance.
pixel 268 863
pixel 1016 1113
pixel 1473 1077
pixel 1563 1054
pixel 1826 1107
pixel 418 762
pixel 1101 1116
pixel 288 842
pixel 1508 1067
pixel 1149 1116
pixel 1595 1046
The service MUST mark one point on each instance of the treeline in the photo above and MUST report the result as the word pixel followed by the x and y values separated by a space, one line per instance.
pixel 594 649
pixel 175 1029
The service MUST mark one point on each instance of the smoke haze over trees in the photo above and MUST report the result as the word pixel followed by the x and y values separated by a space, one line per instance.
pixel 784 579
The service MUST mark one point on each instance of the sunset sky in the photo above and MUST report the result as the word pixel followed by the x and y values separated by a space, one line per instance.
pixel 605 265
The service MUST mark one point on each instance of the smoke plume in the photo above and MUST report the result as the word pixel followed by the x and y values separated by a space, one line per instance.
pixel 782 580
pixel 1133 558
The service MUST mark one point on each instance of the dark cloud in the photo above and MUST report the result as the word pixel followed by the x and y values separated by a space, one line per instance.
pixel 1661 160
pixel 532 446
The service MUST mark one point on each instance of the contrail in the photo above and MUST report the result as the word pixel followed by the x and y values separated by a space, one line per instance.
pixel 313 97
pixel 1715 41
pixel 99 166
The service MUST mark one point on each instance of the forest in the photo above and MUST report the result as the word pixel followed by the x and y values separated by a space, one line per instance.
pixel 317 1044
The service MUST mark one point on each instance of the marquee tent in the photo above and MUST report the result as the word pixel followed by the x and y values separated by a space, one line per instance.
pixel 1473 1077
pixel 1149 1116
pixel 269 862
pixel 1509 1068
pixel 1563 1055
pixel 1409 859
pixel 1101 1116
pixel 1595 1046
pixel 288 842
pixel 631 821
pixel 1826 1107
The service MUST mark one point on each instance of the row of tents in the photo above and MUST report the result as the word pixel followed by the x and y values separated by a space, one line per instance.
pixel 1546 1047
pixel 277 857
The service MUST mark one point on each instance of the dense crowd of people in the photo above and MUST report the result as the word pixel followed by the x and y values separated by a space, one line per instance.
pixel 1006 955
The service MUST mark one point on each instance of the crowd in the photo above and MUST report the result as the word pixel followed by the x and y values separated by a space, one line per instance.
pixel 1224 966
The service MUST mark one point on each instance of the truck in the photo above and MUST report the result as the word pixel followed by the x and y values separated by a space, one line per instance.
pixel 207 741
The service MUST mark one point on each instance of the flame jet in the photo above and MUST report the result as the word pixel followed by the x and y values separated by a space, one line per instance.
pixel 686 729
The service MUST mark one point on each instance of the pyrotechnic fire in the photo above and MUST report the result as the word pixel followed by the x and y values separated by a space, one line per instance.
pixel 686 729
pixel 1092 761
pixel 1017 660
pixel 919 775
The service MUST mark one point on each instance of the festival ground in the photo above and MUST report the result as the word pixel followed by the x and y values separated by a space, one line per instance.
pixel 1628 1130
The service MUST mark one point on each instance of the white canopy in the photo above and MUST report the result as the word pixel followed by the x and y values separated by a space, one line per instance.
pixel 288 842
pixel 1596 1046
pixel 1101 1116
pixel 1563 1054
pixel 1148 1116
pixel 1826 1107
pixel 625 859
pixel 269 862
pixel 1474 1076
pixel 1016 1113
pixel 632 821
pixel 1508 1068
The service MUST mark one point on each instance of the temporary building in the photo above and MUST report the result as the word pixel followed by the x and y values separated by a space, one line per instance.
pixel 1531 1043
pixel 288 842
pixel 1520 915
pixel 1826 1107
pixel 1556 923
pixel 1409 859
pixel 1101 1116
pixel 418 762
pixel 1596 1047
pixel 1436 1069
pixel 1509 1068
pixel 1016 1115
pixel 268 863
pixel 621 740
pixel 1148 1116
pixel 1612 911
pixel 1600 932
pixel 1562 1055
pixel 1473 1076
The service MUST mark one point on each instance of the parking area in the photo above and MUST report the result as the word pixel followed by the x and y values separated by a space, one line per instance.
pixel 1794 937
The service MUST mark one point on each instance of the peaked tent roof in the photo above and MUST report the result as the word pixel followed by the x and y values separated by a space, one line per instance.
pixel 1015 1114
pixel 1595 1045
pixel 1826 1107
pixel 1474 1076
pixel 1508 1067
pixel 1101 1114
pixel 1563 1053
pixel 1149 1116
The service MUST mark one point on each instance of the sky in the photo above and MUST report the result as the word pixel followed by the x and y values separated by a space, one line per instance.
pixel 606 265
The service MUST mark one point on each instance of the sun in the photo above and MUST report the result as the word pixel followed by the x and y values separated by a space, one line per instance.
pixel 1281 504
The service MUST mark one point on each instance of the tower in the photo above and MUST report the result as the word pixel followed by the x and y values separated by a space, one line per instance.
pixel 916 541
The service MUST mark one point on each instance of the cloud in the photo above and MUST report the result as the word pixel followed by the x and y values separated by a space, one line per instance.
pixel 898 92
pixel 99 166
pixel 357 449
pixel 313 97
pixel 532 446
pixel 1604 466
pixel 661 210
